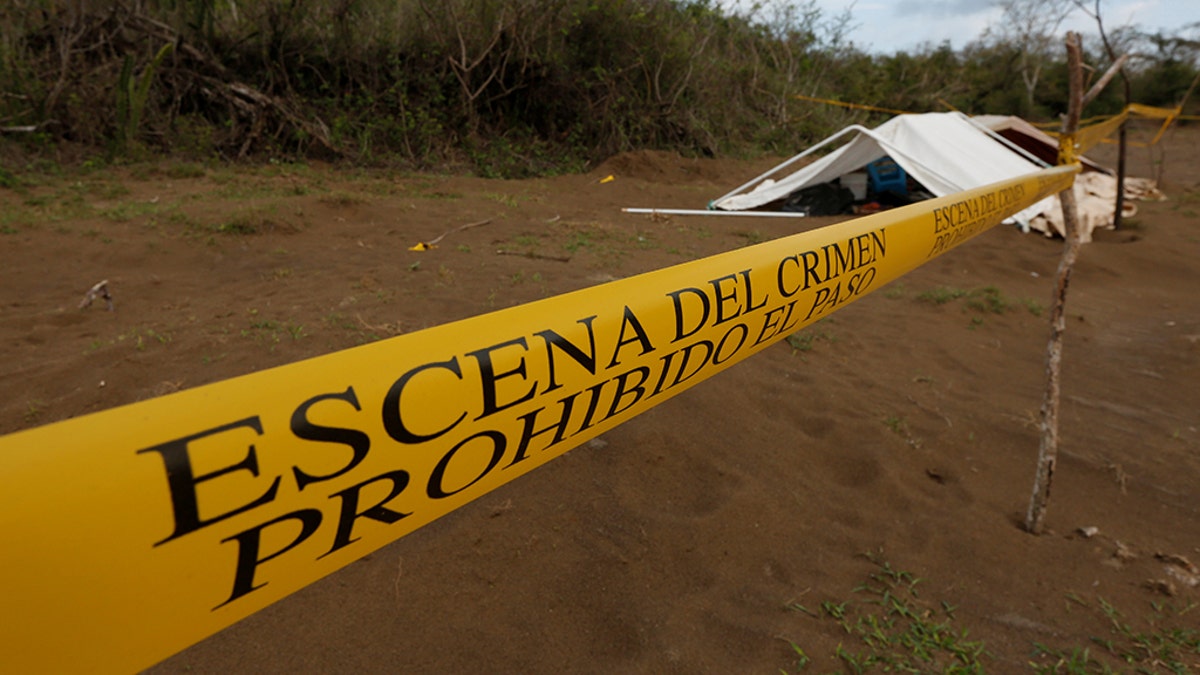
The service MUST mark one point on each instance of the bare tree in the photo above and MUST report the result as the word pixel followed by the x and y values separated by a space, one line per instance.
pixel 489 46
pixel 1031 27
pixel 1048 448
pixel 804 36
pixel 1111 50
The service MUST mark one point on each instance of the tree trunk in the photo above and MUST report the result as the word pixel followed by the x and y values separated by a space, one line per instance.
pixel 1048 450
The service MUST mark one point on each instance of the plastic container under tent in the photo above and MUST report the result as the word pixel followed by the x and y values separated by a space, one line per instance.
pixel 856 182
pixel 885 175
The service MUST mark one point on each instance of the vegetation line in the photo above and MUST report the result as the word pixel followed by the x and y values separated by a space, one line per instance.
pixel 505 88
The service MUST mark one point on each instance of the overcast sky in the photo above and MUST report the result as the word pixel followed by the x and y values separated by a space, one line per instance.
pixel 888 26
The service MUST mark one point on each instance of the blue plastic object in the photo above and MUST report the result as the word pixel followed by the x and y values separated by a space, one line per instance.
pixel 887 176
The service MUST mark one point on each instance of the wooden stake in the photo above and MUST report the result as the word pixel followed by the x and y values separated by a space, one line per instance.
pixel 1048 450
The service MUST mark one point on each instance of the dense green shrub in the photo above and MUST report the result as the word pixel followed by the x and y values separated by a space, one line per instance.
pixel 514 87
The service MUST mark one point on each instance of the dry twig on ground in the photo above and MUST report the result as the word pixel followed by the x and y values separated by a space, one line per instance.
pixel 100 290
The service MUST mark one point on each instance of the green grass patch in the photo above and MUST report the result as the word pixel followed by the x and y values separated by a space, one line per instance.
pixel 107 190
pixel 1167 642
pixel 184 170
pixel 8 179
pixel 984 300
pixel 126 211
pixel 805 339
pixel 941 295
pixel 437 194
pixel 343 199
pixel 271 332
pixel 896 424
pixel 751 237
pixel 41 207
pixel 895 291
pixel 890 628
pixel 589 237
pixel 801 342
pixel 988 300
pixel 252 221
pixel 505 199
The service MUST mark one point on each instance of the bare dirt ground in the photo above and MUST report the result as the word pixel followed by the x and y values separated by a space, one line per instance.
pixel 729 526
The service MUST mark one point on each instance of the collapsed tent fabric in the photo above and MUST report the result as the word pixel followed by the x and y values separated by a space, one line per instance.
pixel 1095 197
pixel 944 152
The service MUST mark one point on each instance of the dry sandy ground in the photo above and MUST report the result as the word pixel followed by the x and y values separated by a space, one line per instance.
pixel 716 531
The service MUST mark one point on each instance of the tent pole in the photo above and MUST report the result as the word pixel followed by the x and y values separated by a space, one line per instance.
pixel 818 146
pixel 1011 146
pixel 709 212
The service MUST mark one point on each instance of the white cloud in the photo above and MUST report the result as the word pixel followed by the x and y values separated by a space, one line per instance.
pixel 942 7
pixel 890 26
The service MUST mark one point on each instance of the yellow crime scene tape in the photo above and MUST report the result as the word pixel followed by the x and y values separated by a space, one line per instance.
pixel 855 106
pixel 1096 130
pixel 135 532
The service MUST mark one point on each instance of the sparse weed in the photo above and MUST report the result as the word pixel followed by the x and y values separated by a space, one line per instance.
pixel 895 291
pixel 1170 644
pixel 896 424
pixel 271 332
pixel 244 222
pixel 33 410
pixel 505 199
pixel 898 631
pixel 1035 308
pixel 126 211
pixel 984 300
pixel 8 179
pixel 941 295
pixel 183 170
pixel 751 237
pixel 988 300
pixel 438 194
pixel 899 426
pixel 805 339
pixel 342 199
pixel 336 320
pixel 257 220
pixel 578 240
pixel 801 342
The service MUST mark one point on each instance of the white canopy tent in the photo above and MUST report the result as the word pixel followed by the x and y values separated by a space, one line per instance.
pixel 944 152
pixel 1031 138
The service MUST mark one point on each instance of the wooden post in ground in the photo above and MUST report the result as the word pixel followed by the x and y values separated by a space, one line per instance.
pixel 1048 450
